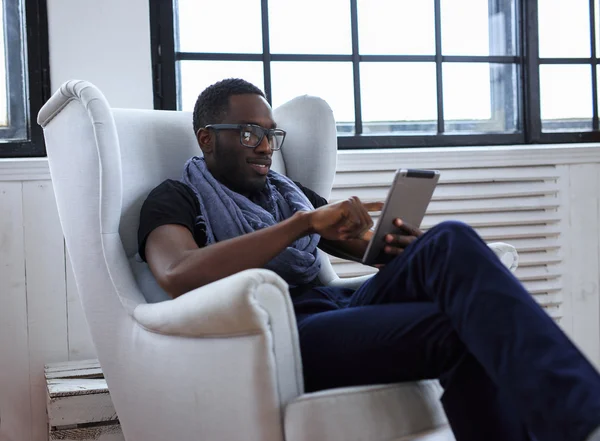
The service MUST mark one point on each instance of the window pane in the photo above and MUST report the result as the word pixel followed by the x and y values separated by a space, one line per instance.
pixel 398 97
pixel 14 102
pixel 597 25
pixel 564 28
pixel 3 100
pixel 310 27
pixel 198 75
pixel 331 81
pixel 470 28
pixel 480 97
pixel 566 97
pixel 219 26
pixel 396 27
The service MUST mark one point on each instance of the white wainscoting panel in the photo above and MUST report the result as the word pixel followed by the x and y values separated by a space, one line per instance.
pixel 46 303
pixel 15 409
pixel 41 320
pixel 582 248
pixel 546 202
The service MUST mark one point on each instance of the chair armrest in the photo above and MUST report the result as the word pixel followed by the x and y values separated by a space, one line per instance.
pixel 225 308
pixel 350 282
pixel 210 354
pixel 506 253
pixel 255 302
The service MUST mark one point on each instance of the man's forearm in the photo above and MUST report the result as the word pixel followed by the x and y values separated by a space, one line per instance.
pixel 205 265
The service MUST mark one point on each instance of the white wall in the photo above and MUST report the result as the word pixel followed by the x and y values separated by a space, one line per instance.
pixel 106 42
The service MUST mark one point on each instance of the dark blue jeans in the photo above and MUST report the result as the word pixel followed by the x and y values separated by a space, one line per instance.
pixel 447 308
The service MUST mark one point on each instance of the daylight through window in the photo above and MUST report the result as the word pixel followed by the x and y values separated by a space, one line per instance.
pixel 398 72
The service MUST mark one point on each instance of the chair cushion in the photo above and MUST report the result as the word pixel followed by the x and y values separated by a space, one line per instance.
pixel 403 411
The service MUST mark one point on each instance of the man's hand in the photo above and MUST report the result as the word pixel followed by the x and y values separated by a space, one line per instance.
pixel 396 243
pixel 344 220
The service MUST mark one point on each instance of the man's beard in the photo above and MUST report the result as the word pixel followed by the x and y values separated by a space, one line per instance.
pixel 232 169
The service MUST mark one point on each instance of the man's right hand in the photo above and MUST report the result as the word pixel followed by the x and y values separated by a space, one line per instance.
pixel 344 220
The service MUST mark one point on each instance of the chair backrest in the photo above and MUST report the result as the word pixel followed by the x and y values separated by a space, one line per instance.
pixel 154 145
pixel 138 149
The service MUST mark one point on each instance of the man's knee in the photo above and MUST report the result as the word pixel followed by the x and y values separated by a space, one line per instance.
pixel 454 227
pixel 455 235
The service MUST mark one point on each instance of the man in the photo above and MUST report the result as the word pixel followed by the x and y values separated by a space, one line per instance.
pixel 442 307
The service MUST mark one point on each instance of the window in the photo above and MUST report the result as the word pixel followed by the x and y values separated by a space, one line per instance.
pixel 24 82
pixel 396 72
pixel 568 40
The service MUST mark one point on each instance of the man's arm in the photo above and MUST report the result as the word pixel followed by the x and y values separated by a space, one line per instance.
pixel 180 266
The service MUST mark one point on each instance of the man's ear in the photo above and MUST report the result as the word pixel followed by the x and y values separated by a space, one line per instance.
pixel 206 140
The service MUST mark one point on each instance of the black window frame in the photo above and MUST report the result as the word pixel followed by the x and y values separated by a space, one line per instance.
pixel 37 81
pixel 527 62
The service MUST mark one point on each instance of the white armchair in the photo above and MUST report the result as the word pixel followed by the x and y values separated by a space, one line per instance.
pixel 221 362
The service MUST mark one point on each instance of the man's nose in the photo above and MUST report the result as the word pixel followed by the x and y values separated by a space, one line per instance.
pixel 264 146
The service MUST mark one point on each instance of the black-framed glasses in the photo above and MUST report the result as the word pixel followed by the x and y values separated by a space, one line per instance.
pixel 252 135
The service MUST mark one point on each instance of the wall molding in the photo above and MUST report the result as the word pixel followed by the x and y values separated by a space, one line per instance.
pixel 468 157
pixel 36 169
pixel 24 169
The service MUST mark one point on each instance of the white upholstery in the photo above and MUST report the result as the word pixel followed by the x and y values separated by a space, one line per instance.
pixel 221 362
pixel 395 412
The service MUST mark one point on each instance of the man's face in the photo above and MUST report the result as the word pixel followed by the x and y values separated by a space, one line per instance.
pixel 241 168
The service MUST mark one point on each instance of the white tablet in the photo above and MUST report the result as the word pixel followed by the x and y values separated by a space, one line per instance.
pixel 408 199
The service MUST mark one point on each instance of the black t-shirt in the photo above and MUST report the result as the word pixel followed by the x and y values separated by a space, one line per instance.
pixel 173 202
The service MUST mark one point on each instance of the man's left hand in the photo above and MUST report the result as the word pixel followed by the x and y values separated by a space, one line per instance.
pixel 396 243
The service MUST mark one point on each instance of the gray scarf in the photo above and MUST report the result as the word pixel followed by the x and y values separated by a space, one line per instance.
pixel 227 214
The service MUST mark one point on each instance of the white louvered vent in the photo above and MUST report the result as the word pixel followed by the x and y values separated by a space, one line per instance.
pixel 517 205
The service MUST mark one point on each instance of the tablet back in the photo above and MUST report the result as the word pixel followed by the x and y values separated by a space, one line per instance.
pixel 408 199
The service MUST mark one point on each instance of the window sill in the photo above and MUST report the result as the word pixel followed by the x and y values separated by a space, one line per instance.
pixel 468 157
pixel 36 169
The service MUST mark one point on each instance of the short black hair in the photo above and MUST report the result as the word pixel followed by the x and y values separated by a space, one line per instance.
pixel 213 103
